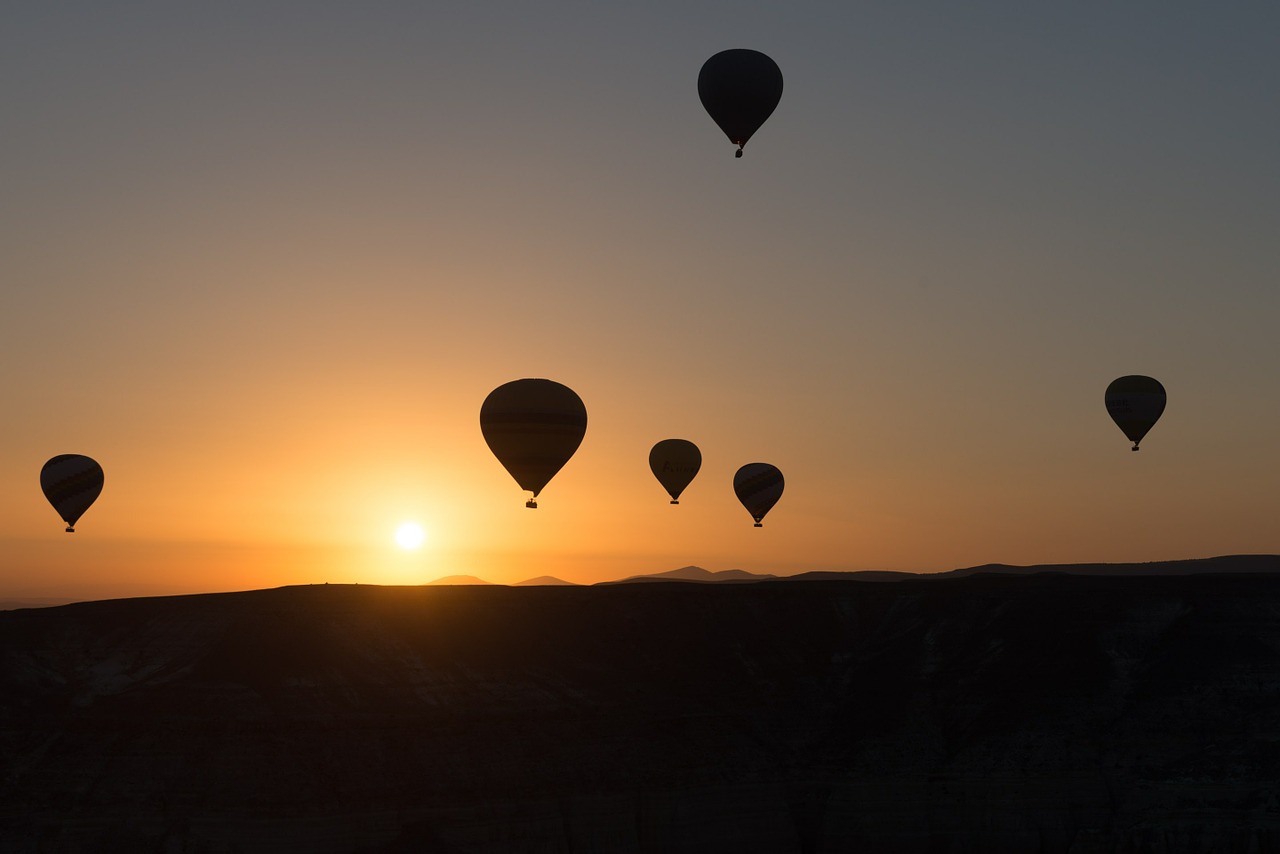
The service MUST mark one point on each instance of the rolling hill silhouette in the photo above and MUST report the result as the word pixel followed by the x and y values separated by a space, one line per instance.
pixel 987 713
pixel 695 574
pixel 1199 566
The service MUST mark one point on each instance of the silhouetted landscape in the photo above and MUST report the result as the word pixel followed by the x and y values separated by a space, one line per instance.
pixel 1045 711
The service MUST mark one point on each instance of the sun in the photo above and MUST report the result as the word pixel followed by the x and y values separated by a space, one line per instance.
pixel 410 536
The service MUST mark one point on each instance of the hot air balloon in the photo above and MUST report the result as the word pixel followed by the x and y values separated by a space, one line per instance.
pixel 675 462
pixel 533 426
pixel 758 486
pixel 71 482
pixel 1135 403
pixel 740 88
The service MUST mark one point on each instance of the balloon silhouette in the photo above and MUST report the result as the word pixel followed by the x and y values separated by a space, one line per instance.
pixel 71 482
pixel 1135 403
pixel 533 427
pixel 740 88
pixel 758 486
pixel 674 463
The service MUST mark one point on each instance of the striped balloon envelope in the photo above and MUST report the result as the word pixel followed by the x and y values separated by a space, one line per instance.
pixel 71 482
pixel 675 462
pixel 1135 403
pixel 533 427
pixel 758 486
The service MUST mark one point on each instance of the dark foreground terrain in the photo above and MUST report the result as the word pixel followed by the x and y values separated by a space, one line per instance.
pixel 980 714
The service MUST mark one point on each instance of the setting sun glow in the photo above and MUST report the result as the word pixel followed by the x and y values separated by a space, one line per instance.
pixel 410 535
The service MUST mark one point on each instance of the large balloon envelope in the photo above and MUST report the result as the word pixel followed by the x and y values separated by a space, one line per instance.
pixel 740 88
pixel 533 427
pixel 1135 403
pixel 675 462
pixel 71 482
pixel 758 486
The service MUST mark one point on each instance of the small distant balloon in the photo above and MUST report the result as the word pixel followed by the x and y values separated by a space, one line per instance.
pixel 675 462
pixel 758 486
pixel 71 482
pixel 1135 403
pixel 740 88
pixel 533 427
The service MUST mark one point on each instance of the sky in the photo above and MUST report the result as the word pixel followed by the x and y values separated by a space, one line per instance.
pixel 264 261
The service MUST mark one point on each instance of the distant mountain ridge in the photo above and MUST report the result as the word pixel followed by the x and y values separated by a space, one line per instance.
pixel 696 574
pixel 1223 564
pixel 1193 566
pixel 34 602
pixel 1261 563
pixel 1219 565
pixel 459 579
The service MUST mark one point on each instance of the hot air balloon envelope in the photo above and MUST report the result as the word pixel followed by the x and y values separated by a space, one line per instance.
pixel 1135 403
pixel 740 88
pixel 758 486
pixel 674 463
pixel 72 483
pixel 533 427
